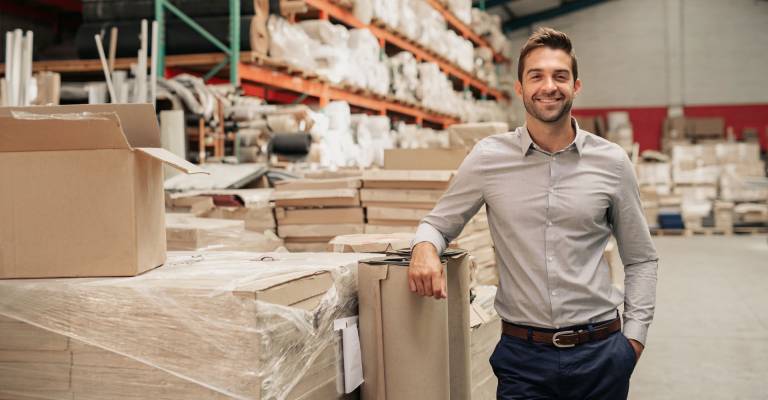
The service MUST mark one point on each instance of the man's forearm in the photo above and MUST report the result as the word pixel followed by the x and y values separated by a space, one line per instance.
pixel 639 298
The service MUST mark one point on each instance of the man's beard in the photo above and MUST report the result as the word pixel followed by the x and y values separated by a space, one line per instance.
pixel 531 109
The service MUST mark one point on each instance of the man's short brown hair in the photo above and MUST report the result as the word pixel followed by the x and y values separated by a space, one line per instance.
pixel 551 38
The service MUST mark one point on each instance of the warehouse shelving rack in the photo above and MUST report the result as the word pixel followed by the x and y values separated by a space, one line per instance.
pixel 287 85
pixel 328 9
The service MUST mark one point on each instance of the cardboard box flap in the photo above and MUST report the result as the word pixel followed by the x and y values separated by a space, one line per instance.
pixel 27 131
pixel 138 121
pixel 172 160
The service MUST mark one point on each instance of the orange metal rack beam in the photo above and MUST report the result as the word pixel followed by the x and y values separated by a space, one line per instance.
pixel 385 35
pixel 465 30
pixel 326 92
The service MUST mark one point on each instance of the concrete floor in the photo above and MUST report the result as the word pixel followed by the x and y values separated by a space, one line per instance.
pixel 709 338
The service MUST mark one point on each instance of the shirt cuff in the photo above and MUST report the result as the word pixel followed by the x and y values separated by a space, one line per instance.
pixel 428 233
pixel 636 330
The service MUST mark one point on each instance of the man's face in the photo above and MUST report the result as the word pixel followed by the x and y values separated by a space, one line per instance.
pixel 547 87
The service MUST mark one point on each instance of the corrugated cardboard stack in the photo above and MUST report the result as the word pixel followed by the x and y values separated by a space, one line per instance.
pixel 252 206
pixel 310 212
pixel 187 232
pixel 680 130
pixel 396 200
pixel 476 239
pixel 212 325
pixel 695 172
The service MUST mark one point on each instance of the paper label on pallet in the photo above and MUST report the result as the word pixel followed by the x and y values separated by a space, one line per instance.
pixel 353 361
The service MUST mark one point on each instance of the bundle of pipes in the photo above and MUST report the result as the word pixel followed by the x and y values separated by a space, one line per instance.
pixel 18 88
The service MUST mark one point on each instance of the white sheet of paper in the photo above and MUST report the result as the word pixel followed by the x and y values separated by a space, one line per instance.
pixel 353 360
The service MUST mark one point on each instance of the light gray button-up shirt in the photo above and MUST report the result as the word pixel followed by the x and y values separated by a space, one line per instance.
pixel 551 216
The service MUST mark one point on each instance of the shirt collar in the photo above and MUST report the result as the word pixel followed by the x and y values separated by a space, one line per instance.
pixel 581 136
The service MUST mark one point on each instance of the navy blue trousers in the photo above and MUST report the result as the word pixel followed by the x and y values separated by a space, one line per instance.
pixel 597 370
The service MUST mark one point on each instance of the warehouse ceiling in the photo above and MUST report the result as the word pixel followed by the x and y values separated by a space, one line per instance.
pixel 517 14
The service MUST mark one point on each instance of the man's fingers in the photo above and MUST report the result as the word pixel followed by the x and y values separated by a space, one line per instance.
pixel 411 284
pixel 437 284
pixel 419 286
pixel 427 285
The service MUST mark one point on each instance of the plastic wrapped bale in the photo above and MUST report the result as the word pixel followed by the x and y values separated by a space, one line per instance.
pixel 205 326
pixel 291 44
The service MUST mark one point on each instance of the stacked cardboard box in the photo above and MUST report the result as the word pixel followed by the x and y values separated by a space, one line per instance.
pixel 33 362
pixel 396 200
pixel 476 239
pixel 682 130
pixel 371 242
pixel 205 325
pixel 311 212
pixel 187 232
pixel 252 206
pixel 654 180
pixel 741 161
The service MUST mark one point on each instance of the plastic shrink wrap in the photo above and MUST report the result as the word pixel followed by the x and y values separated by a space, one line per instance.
pixel 214 325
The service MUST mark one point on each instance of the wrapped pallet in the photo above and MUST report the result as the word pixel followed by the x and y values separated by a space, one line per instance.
pixel 219 325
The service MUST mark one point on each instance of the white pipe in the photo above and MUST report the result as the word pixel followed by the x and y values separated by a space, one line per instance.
pixel 153 67
pixel 25 95
pixel 105 68
pixel 141 75
pixel 16 72
pixel 8 67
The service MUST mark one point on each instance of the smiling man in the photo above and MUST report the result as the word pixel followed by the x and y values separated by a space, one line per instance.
pixel 554 194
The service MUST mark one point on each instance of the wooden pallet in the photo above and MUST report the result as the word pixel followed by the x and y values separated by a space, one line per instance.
pixel 709 231
pixel 669 232
pixel 758 230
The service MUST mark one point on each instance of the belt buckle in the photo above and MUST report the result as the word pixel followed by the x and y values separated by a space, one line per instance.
pixel 556 336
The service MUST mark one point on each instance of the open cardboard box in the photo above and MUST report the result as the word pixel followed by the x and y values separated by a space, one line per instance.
pixel 82 191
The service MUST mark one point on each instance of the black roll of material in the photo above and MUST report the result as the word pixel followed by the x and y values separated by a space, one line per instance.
pixel 123 10
pixel 180 38
pixel 293 144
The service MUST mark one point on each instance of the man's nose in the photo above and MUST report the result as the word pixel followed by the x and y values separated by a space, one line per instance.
pixel 549 85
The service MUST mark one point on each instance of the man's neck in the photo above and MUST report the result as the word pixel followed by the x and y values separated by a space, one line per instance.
pixel 551 136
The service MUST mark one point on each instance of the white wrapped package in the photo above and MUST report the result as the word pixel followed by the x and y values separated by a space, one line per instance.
pixel 291 44
pixel 404 71
pixel 387 11
pixel 325 32
pixel 332 62
pixel 462 9
pixel 363 11
pixel 408 24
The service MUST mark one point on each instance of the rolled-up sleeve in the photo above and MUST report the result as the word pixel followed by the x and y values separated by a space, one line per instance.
pixel 638 254
pixel 458 204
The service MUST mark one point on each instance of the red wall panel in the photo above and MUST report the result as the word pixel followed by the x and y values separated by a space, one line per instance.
pixel 647 121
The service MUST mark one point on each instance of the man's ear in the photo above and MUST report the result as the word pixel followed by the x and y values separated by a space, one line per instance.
pixel 576 87
pixel 519 89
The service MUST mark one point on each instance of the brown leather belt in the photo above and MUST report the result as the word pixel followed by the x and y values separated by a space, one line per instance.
pixel 564 338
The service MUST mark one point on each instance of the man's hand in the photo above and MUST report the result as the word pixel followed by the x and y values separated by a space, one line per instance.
pixel 638 347
pixel 425 273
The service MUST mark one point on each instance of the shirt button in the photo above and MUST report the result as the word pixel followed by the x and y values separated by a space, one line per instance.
pixel 551 190
pixel 550 258
pixel 549 223
pixel 554 293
